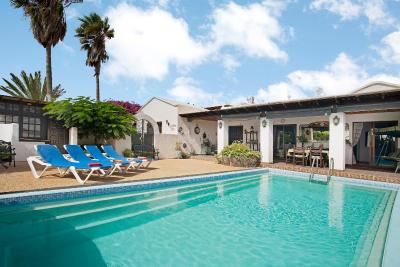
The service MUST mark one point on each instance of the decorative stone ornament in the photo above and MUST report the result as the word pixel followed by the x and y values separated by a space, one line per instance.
pixel 264 123
pixel 197 130
pixel 336 120
pixel 220 124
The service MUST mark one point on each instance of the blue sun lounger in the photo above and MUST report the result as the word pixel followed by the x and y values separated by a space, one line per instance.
pixel 114 155
pixel 97 154
pixel 51 156
pixel 77 153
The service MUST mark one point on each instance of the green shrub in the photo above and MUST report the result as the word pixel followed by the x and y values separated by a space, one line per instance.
pixel 238 154
pixel 128 153
pixel 102 120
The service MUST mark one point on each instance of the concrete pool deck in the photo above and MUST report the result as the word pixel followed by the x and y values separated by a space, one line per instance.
pixel 20 178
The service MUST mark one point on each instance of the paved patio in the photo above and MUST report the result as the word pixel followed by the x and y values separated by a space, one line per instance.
pixel 20 178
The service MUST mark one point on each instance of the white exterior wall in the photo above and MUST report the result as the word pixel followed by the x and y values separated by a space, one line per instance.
pixel 368 117
pixel 194 140
pixel 161 111
pixel 221 132
pixel 10 133
pixel 266 140
pixel 337 142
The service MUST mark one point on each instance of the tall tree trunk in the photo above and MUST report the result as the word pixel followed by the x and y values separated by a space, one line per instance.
pixel 49 77
pixel 97 70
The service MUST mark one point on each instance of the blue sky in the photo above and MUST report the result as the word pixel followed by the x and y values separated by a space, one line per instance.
pixel 212 52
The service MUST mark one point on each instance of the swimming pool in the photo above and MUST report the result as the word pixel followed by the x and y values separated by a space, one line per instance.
pixel 258 219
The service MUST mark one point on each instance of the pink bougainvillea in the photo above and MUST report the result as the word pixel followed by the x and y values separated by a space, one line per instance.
pixel 129 106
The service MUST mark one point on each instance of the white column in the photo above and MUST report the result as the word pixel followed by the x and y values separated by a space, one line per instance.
pixel 221 132
pixel 73 136
pixel 266 140
pixel 337 142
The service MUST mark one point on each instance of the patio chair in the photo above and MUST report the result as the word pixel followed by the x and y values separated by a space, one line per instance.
pixel 97 154
pixel 50 156
pixel 289 156
pixel 316 157
pixel 77 153
pixel 300 155
pixel 114 155
pixel 7 153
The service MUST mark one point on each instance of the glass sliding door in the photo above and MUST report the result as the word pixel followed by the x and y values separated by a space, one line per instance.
pixel 284 138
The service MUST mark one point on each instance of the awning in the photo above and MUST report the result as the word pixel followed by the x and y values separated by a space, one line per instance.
pixel 393 131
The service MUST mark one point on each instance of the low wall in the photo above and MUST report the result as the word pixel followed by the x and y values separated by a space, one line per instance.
pixel 10 133
pixel 166 143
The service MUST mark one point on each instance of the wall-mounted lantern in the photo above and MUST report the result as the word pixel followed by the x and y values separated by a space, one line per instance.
pixel 197 130
pixel 336 120
pixel 220 124
pixel 264 123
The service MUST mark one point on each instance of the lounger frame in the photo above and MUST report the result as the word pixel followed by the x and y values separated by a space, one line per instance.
pixel 62 171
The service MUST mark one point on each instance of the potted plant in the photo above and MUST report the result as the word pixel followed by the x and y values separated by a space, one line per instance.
pixel 302 139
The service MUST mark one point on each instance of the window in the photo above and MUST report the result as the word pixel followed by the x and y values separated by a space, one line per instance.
pixel 32 123
pixel 8 118
pixel 31 127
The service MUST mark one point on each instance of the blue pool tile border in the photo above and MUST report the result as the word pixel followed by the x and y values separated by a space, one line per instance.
pixel 392 245
pixel 344 180
pixel 33 197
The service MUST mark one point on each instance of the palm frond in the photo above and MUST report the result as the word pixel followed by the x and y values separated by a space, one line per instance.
pixel 29 86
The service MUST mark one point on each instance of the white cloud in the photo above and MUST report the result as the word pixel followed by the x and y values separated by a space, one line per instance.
pixel 374 10
pixel 254 29
pixel 342 76
pixel 279 91
pixel 346 9
pixel 71 13
pixel 147 42
pixel 229 62
pixel 186 90
pixel 67 47
pixel 390 48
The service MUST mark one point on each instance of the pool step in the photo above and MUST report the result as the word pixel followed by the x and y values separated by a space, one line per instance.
pixel 319 179
pixel 91 216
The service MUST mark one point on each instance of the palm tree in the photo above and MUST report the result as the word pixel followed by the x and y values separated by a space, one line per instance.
pixel 48 26
pixel 30 86
pixel 92 34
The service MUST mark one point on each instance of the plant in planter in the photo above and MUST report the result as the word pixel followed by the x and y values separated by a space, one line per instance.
pixel 180 152
pixel 302 139
pixel 239 155
pixel 128 153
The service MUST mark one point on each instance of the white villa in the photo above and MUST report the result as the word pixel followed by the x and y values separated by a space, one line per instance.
pixel 351 129
pixel 345 126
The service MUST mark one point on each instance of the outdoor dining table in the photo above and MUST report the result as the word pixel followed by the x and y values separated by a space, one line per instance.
pixel 325 152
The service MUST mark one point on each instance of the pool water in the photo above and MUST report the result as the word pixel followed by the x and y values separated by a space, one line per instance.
pixel 254 220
